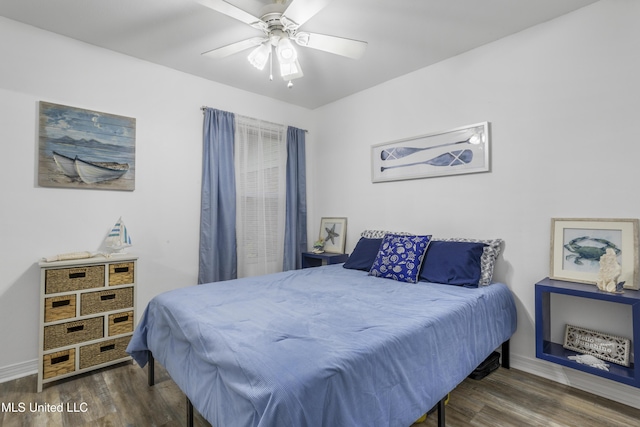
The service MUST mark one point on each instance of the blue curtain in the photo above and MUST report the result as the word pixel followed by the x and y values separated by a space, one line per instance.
pixel 295 238
pixel 218 205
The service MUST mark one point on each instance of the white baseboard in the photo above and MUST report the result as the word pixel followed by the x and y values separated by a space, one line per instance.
pixel 606 388
pixel 19 370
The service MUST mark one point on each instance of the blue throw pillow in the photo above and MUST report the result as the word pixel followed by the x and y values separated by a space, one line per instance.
pixel 363 254
pixel 400 257
pixel 453 263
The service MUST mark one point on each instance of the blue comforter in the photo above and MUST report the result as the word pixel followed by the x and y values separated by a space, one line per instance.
pixel 323 346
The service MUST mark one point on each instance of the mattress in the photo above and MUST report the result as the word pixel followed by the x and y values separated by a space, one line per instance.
pixel 324 346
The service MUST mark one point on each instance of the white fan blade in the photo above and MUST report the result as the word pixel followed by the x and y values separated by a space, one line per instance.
pixel 300 11
pixel 338 45
pixel 232 48
pixel 229 10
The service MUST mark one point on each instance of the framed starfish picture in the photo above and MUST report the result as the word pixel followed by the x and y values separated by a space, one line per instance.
pixel 333 232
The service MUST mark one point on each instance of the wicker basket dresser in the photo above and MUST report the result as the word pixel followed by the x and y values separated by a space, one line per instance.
pixel 87 314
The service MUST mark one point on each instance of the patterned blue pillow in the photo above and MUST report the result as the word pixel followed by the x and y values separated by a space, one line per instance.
pixel 400 257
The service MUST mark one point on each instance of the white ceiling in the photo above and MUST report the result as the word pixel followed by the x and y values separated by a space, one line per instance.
pixel 402 36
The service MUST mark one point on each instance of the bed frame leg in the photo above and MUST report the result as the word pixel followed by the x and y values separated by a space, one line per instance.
pixel 189 413
pixel 505 355
pixel 441 422
pixel 151 370
pixel 151 380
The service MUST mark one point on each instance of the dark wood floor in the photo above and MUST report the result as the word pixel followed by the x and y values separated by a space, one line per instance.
pixel 119 396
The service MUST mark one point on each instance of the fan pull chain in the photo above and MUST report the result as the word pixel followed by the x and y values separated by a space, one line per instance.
pixel 271 64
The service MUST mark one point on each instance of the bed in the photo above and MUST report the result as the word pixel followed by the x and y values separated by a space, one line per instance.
pixel 324 346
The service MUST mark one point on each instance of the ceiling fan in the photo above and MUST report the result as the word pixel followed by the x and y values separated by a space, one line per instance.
pixel 279 30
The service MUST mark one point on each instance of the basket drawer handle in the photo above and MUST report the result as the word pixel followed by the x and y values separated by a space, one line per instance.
pixel 107 297
pixel 121 269
pixel 77 275
pixel 62 303
pixel 107 348
pixel 121 319
pixel 75 328
pixel 59 359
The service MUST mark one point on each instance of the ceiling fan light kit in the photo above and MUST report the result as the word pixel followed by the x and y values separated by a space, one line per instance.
pixel 279 30
pixel 288 59
pixel 291 70
pixel 285 51
pixel 260 55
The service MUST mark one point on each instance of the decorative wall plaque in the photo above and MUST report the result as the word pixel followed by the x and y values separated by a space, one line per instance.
pixel 457 151
pixel 606 347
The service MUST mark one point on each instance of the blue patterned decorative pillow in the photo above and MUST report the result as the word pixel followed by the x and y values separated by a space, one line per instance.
pixel 400 257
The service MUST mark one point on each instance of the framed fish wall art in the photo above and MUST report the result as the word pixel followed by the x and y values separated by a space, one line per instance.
pixel 85 149
pixel 458 151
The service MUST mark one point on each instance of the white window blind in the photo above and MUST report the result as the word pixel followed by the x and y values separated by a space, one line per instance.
pixel 260 165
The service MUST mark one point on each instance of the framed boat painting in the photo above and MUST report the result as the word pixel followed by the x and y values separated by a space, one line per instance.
pixel 454 152
pixel 578 243
pixel 85 149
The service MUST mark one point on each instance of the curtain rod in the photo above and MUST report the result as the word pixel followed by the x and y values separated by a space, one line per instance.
pixel 204 107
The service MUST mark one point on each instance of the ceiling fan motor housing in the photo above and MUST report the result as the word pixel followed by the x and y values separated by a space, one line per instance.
pixel 273 21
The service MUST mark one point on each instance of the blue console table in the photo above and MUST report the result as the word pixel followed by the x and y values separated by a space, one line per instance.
pixel 556 353
pixel 310 259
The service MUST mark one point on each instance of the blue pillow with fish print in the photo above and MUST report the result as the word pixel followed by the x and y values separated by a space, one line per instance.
pixel 400 257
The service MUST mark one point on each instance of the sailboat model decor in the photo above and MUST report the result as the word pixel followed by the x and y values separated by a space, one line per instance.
pixel 118 238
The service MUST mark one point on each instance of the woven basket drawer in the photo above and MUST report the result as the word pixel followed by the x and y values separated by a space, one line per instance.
pixel 99 302
pixel 60 307
pixel 103 352
pixel 121 274
pixel 74 279
pixel 120 323
pixel 73 332
pixel 60 363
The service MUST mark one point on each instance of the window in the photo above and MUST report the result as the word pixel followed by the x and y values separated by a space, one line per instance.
pixel 260 165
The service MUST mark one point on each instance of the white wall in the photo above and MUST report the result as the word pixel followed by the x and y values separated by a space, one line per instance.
pixel 162 214
pixel 563 100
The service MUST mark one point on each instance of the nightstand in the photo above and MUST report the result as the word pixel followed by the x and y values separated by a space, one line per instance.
pixel 556 353
pixel 310 259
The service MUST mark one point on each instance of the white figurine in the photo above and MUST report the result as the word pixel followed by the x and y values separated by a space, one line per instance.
pixel 586 359
pixel 609 272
